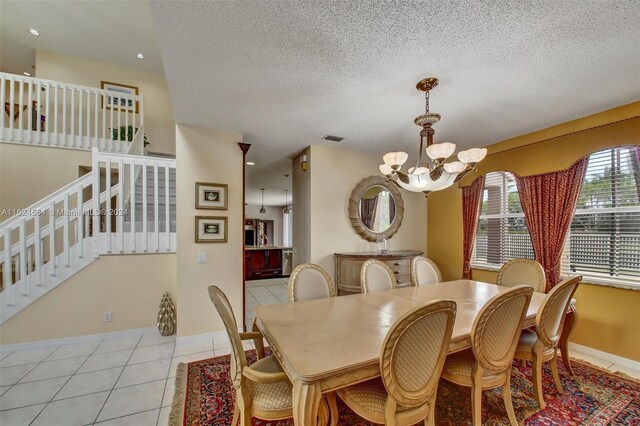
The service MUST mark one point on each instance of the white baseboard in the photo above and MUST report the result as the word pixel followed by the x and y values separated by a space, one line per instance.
pixel 605 356
pixel 199 337
pixel 76 339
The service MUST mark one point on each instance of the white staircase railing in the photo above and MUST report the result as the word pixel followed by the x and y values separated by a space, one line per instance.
pixel 50 113
pixel 100 213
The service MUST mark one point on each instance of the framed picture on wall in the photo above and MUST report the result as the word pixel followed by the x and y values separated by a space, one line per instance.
pixel 211 196
pixel 121 97
pixel 211 229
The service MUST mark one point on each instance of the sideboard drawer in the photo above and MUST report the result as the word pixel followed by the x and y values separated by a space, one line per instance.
pixel 398 263
pixel 401 271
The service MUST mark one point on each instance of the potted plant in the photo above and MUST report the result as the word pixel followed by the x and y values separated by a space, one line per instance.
pixel 126 134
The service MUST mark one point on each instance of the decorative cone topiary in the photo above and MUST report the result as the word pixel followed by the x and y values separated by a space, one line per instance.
pixel 167 316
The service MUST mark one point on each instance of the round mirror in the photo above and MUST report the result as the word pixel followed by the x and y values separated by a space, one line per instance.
pixel 376 209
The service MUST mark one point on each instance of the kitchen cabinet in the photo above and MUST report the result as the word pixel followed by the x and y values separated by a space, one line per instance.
pixel 261 263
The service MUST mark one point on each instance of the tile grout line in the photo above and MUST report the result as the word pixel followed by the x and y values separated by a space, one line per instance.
pixel 166 380
pixel 121 417
pixel 65 383
pixel 37 364
pixel 70 344
pixel 114 384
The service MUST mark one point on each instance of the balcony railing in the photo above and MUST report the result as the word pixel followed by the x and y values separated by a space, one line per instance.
pixel 50 113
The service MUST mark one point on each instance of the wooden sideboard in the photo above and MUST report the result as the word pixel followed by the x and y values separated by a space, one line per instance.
pixel 348 267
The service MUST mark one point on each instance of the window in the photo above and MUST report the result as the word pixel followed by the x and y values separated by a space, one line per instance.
pixel 604 239
pixel 382 215
pixel 502 231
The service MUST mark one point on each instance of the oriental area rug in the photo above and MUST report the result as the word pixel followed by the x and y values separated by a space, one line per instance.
pixel 205 396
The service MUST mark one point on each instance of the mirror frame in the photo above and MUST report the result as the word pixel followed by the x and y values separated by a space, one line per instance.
pixel 354 208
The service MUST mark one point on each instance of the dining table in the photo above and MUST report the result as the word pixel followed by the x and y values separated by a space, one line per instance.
pixel 328 344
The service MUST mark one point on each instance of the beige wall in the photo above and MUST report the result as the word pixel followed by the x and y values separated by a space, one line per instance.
pixel 158 114
pixel 273 213
pixel 334 173
pixel 204 155
pixel 301 202
pixel 30 173
pixel 129 286
pixel 606 315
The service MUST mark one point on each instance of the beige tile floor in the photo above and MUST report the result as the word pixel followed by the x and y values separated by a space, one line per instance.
pixel 117 381
pixel 263 292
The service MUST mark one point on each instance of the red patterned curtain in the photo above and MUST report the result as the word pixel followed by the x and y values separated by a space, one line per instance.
pixel 471 202
pixel 549 201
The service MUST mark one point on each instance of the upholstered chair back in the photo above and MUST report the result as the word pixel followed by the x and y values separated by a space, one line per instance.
pixel 424 271
pixel 414 351
pixel 309 281
pixel 238 359
pixel 553 310
pixel 522 271
pixel 376 276
pixel 496 329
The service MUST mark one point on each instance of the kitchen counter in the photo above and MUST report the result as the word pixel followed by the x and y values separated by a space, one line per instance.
pixel 266 248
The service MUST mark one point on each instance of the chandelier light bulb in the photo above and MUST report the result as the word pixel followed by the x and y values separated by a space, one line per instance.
pixel 441 150
pixel 397 158
pixel 473 155
pixel 385 169
pixel 454 167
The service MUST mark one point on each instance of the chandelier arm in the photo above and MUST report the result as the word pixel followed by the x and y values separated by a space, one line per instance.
pixel 420 153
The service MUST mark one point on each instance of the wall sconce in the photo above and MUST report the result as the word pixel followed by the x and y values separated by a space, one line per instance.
pixel 304 163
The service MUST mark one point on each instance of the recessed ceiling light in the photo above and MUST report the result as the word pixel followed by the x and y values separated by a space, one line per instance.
pixel 26 73
pixel 34 32
pixel 250 163
pixel 140 56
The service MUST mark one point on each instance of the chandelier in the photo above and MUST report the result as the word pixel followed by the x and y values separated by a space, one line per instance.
pixel 435 174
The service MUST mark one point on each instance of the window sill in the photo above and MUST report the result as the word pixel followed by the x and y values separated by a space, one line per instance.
pixel 486 267
pixel 607 283
pixel 586 280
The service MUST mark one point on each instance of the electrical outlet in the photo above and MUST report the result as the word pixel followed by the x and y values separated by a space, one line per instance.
pixel 202 257
pixel 106 316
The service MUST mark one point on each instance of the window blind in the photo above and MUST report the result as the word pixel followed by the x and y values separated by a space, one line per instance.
pixel 604 239
pixel 502 230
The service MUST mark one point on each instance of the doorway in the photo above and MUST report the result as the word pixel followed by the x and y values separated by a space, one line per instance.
pixel 267 235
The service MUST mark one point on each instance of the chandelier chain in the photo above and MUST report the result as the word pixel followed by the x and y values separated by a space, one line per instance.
pixel 426 101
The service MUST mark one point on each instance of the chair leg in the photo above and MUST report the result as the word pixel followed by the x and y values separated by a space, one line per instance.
pixel 258 343
pixel 569 324
pixel 323 412
pixel 333 408
pixel 506 396
pixel 236 415
pixel 431 420
pixel 243 405
pixel 556 375
pixel 536 366
pixel 476 404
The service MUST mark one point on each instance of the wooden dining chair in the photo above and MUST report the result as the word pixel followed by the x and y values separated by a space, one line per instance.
pixel 411 360
pixel 424 271
pixel 494 336
pixel 309 281
pixel 522 271
pixel 541 345
pixel 376 276
pixel 263 389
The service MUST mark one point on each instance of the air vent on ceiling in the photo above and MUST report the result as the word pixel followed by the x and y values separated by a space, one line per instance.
pixel 332 138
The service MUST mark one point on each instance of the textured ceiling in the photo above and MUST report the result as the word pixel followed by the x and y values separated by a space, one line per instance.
pixel 286 73
pixel 106 31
